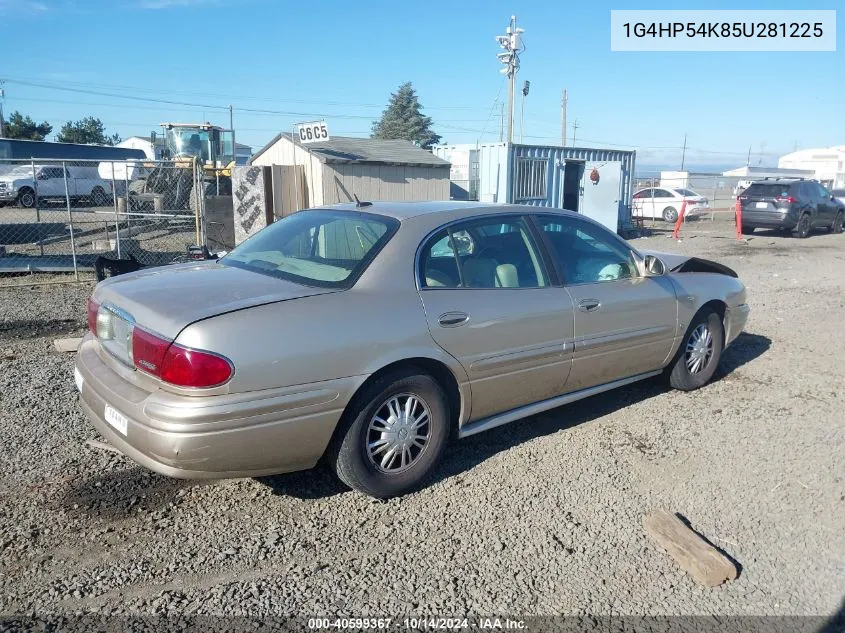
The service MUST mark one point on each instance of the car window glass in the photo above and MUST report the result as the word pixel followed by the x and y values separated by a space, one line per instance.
pixel 774 190
pixel 320 247
pixel 645 193
pixel 806 191
pixel 587 253
pixel 824 194
pixel 662 193
pixel 482 254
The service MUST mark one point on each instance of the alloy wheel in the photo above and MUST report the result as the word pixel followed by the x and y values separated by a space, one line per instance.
pixel 699 349
pixel 398 433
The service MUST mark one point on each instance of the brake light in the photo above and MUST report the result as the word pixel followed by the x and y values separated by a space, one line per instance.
pixel 93 308
pixel 176 364
pixel 194 368
pixel 788 199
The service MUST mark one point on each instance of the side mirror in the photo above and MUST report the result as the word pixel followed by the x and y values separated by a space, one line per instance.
pixel 654 266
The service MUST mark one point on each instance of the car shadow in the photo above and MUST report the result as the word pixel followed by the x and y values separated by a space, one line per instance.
pixel 836 622
pixel 745 348
pixel 119 493
pixel 318 483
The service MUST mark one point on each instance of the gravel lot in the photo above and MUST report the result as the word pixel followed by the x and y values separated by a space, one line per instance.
pixel 543 516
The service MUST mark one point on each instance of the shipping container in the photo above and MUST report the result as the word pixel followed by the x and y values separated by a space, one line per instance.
pixel 595 182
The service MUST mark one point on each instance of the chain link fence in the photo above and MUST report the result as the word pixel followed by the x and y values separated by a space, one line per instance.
pixel 61 216
pixel 711 203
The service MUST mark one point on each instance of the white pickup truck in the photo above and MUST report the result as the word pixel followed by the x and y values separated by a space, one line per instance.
pixel 19 187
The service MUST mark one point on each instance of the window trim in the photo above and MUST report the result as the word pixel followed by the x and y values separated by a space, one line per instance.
pixel 554 261
pixel 537 242
pixel 391 223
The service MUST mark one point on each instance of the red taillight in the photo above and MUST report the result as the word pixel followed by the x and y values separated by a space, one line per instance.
pixel 788 199
pixel 148 351
pixel 193 368
pixel 178 365
pixel 93 307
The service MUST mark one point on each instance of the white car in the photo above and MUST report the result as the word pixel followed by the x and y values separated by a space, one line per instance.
pixel 18 186
pixel 665 203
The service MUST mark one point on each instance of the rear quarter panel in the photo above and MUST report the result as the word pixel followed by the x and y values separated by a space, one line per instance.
pixel 355 332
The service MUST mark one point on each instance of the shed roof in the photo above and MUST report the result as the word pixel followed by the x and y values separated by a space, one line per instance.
pixel 345 149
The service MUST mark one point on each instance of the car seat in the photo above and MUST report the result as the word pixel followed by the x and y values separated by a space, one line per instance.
pixel 437 279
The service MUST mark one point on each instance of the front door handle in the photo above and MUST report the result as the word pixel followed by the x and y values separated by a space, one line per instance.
pixel 453 319
pixel 589 305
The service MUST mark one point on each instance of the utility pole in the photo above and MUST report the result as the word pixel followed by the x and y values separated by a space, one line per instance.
pixel 684 152
pixel 231 119
pixel 563 119
pixel 525 87
pixel 511 42
pixel 575 127
pixel 748 160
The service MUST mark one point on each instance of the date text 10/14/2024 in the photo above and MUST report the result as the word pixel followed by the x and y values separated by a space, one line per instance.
pixel 416 624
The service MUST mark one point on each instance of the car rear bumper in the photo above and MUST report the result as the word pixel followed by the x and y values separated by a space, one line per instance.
pixel 212 437
pixel 769 219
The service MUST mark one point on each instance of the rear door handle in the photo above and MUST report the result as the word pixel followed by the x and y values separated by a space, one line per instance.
pixel 589 305
pixel 453 319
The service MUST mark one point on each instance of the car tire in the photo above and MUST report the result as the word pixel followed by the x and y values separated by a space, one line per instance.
pixel 99 197
pixel 363 451
pixel 804 227
pixel 701 349
pixel 26 197
pixel 747 230
pixel 838 223
pixel 670 214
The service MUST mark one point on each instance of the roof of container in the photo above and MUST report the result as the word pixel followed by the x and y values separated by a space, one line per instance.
pixel 344 149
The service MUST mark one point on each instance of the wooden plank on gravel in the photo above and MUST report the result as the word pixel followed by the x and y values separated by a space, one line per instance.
pixel 707 565
pixel 67 344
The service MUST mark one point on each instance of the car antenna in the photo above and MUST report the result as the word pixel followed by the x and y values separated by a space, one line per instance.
pixel 360 204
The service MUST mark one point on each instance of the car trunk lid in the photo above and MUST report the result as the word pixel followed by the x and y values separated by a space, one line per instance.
pixel 166 299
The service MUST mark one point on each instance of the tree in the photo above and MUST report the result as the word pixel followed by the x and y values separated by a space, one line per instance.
pixel 88 130
pixel 403 118
pixel 23 127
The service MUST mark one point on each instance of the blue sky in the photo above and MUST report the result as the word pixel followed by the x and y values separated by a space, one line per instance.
pixel 341 60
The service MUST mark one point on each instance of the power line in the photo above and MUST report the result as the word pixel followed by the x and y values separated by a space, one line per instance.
pixel 97 87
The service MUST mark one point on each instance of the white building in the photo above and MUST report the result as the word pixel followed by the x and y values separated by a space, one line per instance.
pixel 828 164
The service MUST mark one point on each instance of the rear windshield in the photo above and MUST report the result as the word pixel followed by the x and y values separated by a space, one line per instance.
pixel 324 248
pixel 767 190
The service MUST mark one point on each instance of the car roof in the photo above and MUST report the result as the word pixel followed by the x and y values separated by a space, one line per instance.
pixel 457 209
pixel 774 181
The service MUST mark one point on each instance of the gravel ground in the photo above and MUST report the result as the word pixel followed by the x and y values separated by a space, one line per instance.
pixel 543 516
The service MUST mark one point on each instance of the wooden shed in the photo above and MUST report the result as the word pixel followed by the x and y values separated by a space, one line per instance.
pixel 342 167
